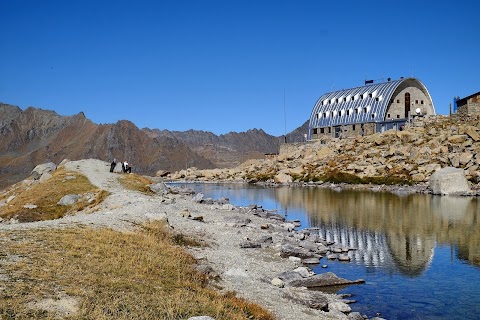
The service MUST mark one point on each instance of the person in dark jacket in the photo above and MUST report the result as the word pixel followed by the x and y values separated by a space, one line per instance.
pixel 113 164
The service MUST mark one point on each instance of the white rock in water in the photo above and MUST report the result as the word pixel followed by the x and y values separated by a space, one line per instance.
pixel 449 180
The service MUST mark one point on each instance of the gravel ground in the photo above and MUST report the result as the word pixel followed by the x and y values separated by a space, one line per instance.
pixel 246 271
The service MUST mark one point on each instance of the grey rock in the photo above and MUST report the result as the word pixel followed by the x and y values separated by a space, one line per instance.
pixel 68 200
pixel 248 245
pixel 355 316
pixel 311 298
pixel 323 280
pixel 449 181
pixel 45 177
pixel 289 276
pixel 39 170
pixel 289 250
pixel 159 188
pixel 277 282
pixel 236 221
pixel 304 272
pixel 311 261
pixel 339 306
pixel 198 197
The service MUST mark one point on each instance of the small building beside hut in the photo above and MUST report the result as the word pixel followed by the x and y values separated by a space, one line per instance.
pixel 374 107
pixel 469 105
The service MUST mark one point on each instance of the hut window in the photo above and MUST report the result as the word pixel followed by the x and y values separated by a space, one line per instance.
pixel 324 114
pixel 361 96
pixel 353 98
pixel 388 115
pixel 365 110
pixel 345 99
pixel 373 115
pixel 421 101
pixel 416 101
pixel 329 130
pixel 315 130
pixel 356 111
pixel 398 116
pixel 336 100
pixel 353 127
pixel 322 130
pixel 370 95
pixel 376 99
pixel 398 100
pixel 348 112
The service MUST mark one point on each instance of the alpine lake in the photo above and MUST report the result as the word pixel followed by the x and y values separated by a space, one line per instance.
pixel 418 254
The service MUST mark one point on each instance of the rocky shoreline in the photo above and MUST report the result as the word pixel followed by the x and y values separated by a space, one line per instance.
pixel 295 250
pixel 391 161
pixel 251 251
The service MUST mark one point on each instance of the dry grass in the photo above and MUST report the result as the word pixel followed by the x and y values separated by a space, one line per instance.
pixel 112 275
pixel 135 182
pixel 47 194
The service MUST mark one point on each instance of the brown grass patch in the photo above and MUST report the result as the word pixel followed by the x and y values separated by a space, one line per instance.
pixel 47 194
pixel 135 182
pixel 112 275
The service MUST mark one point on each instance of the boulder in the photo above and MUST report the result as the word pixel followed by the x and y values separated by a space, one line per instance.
pixel 162 173
pixel 282 178
pixel 45 177
pixel 471 131
pixel 458 138
pixel 277 282
pixel 39 170
pixel 304 272
pixel 68 200
pixel 289 250
pixel 339 306
pixel 310 298
pixel 159 188
pixel 323 280
pixel 236 221
pixel 449 181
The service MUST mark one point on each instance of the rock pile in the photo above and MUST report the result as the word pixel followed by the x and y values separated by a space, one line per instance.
pixel 393 157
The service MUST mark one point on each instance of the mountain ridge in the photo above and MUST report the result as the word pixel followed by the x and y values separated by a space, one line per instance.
pixel 34 135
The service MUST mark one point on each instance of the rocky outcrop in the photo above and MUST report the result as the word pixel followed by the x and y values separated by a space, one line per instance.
pixel 408 157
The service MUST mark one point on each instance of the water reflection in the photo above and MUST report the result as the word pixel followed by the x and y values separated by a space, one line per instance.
pixel 393 231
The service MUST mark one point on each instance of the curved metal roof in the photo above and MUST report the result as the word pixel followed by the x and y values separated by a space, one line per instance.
pixel 357 105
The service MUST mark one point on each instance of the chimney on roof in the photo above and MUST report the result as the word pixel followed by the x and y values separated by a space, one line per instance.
pixel 368 81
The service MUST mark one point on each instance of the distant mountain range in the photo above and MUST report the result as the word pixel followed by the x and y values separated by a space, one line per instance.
pixel 35 136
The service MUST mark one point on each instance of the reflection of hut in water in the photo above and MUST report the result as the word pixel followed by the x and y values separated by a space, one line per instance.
pixel 411 253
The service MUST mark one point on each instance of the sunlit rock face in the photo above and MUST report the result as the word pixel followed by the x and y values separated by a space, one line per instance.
pixel 449 181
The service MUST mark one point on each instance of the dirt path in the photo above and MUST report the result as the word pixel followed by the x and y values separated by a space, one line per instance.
pixel 245 271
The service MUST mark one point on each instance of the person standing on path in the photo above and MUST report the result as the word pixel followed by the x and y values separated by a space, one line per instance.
pixel 113 164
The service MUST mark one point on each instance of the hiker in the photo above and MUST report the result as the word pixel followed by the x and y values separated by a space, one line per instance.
pixel 123 166
pixel 113 164
pixel 128 169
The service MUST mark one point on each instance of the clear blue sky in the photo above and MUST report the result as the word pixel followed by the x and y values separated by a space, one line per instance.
pixel 224 66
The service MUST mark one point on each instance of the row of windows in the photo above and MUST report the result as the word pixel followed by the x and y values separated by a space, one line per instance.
pixel 343 112
pixel 416 101
pixel 348 98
